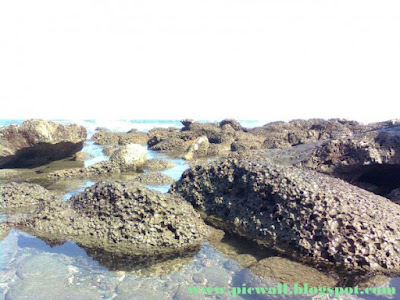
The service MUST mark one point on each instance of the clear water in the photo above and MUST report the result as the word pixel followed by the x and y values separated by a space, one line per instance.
pixel 31 269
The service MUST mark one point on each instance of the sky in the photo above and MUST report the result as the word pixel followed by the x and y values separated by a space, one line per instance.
pixel 211 59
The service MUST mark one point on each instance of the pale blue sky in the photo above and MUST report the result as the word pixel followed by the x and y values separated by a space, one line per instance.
pixel 209 59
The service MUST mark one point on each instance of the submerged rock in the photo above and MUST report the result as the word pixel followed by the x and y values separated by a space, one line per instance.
pixel 37 142
pixel 302 213
pixel 122 219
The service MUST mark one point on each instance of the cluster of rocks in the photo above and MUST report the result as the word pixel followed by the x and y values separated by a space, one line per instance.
pixel 37 142
pixel 131 157
pixel 122 218
pixel 302 213
pixel 197 140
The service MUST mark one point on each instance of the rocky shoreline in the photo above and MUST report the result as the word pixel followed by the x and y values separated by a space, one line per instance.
pixel 322 192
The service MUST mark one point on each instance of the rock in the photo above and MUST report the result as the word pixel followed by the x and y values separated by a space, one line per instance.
pixel 129 157
pixel 23 195
pixel 233 123
pixel 101 168
pixel 173 144
pixel 158 135
pixel 283 135
pixel 109 149
pixel 82 156
pixel 394 195
pixel 186 123
pixel 290 272
pixel 158 164
pixel 368 158
pixel 123 219
pixel 117 138
pixel 310 216
pixel 37 142
pixel 154 178
pixel 197 149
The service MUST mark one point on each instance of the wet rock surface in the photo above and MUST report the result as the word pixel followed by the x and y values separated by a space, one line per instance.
pixel 37 142
pixel 310 216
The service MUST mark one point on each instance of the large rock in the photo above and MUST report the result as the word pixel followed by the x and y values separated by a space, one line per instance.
pixel 37 142
pixel 129 157
pixel 302 213
pixel 122 219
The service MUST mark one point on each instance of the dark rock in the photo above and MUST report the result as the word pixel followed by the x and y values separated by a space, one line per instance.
pixel 310 216
pixel 37 142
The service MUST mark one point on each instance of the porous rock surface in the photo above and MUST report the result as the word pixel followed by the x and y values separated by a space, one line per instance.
pixel 20 195
pixel 302 213
pixel 121 218
pixel 37 142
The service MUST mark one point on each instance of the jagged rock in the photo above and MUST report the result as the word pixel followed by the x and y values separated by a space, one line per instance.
pixel 23 195
pixel 122 218
pixel 302 213
pixel 129 157
pixel 117 138
pixel 37 142
pixel 158 164
pixel 197 149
